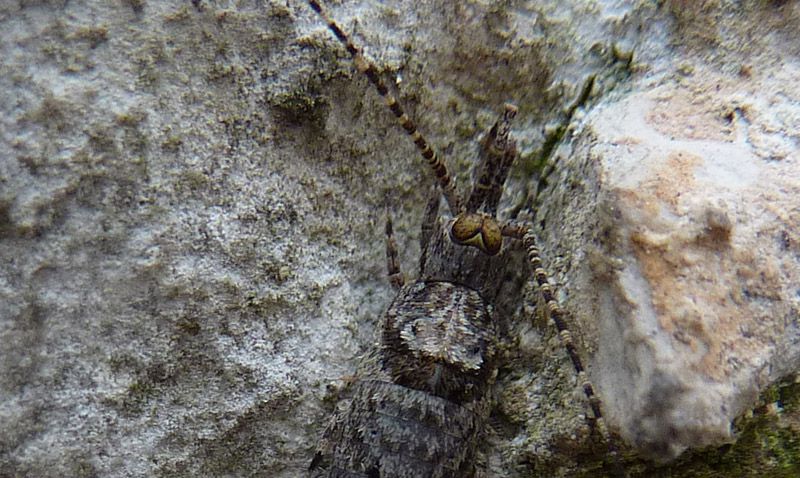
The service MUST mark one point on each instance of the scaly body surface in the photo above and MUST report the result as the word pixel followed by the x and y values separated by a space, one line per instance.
pixel 420 403
pixel 420 408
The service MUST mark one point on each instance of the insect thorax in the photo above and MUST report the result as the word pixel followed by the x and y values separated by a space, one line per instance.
pixel 439 334
pixel 439 338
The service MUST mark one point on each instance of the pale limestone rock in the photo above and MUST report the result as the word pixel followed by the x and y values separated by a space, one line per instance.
pixel 691 250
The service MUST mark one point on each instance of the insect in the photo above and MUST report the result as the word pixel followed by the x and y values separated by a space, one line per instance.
pixel 421 404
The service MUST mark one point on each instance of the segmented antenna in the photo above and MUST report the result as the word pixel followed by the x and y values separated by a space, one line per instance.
pixel 368 68
pixel 556 314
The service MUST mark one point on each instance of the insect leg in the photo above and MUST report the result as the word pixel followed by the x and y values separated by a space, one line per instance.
pixel 392 262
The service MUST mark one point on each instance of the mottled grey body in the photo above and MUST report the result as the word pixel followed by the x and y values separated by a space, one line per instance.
pixel 394 431
pixel 421 402
pixel 420 408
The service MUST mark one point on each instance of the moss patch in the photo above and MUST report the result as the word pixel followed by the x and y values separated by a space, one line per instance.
pixel 767 445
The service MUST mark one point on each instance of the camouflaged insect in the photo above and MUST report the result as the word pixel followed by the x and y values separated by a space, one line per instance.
pixel 424 407
pixel 421 403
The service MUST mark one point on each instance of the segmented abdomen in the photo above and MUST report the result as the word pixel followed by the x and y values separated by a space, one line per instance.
pixel 420 413
pixel 390 431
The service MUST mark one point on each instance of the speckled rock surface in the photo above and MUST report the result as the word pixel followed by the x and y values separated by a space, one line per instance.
pixel 192 199
pixel 687 264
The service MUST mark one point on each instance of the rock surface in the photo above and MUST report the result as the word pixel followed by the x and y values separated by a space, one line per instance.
pixel 192 199
pixel 685 270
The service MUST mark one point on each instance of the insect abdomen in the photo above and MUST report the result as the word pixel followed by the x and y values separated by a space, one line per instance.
pixel 391 431
pixel 422 411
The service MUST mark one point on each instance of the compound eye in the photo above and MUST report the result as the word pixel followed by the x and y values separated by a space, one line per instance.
pixel 479 231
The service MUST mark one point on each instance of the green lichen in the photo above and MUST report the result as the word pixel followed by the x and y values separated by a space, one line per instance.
pixel 136 5
pixel 540 164
pixel 66 46
pixel 767 446
pixel 180 15
pixel 6 223
pixel 134 139
pixel 192 180
pixel 131 119
pixel 83 468
pixel 301 105
pixel 188 326
pixel 171 144
pixel 147 59
pixel 134 399
pixel 55 114
pixel 263 304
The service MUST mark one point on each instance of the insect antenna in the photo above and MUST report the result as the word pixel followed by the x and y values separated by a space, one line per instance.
pixel 523 232
pixel 368 68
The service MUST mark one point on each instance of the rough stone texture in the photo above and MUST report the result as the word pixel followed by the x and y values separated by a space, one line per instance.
pixel 192 200
pixel 687 264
